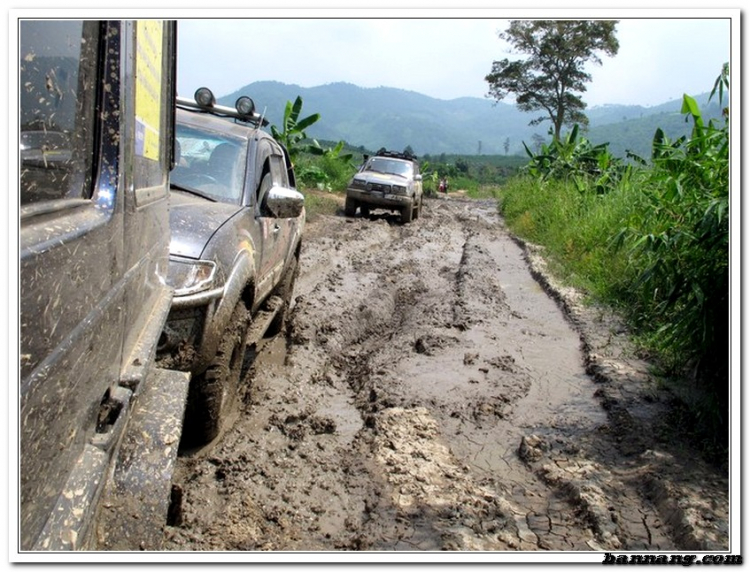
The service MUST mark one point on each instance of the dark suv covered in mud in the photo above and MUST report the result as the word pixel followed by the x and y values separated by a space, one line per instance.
pixel 236 223
pixel 389 180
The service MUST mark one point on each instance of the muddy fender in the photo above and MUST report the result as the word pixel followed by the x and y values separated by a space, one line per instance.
pixel 243 273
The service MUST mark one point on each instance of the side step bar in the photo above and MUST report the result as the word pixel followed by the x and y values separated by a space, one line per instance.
pixel 262 320
pixel 136 499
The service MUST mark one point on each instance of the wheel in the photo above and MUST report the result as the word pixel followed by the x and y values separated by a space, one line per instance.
pixel 407 214
pixel 350 207
pixel 417 208
pixel 213 393
pixel 284 290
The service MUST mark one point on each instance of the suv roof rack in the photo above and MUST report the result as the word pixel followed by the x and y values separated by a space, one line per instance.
pixel 205 102
pixel 383 152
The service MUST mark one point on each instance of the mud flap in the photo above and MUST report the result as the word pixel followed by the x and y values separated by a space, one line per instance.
pixel 136 498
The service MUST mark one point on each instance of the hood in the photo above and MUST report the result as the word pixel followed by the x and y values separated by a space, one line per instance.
pixel 382 178
pixel 193 221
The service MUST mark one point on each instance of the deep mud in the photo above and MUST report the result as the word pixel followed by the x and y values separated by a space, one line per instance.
pixel 436 391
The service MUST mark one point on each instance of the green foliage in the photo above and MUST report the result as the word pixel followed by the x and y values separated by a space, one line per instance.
pixel 575 228
pixel 329 171
pixel 575 158
pixel 655 243
pixel 315 166
pixel 554 72
pixel 292 134
pixel 483 169
pixel 679 239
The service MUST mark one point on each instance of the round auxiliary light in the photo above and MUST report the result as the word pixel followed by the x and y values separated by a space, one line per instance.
pixel 245 105
pixel 204 97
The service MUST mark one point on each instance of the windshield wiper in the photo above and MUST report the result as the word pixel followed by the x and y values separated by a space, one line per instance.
pixel 191 191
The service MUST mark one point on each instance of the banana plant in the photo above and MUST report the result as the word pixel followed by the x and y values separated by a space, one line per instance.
pixel 575 157
pixel 330 153
pixel 292 134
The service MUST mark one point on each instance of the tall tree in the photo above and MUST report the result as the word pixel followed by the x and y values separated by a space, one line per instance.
pixel 553 74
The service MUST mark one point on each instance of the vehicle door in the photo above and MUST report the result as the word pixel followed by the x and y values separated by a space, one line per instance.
pixel 93 235
pixel 275 231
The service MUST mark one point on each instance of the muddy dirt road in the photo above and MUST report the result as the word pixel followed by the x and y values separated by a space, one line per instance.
pixel 434 392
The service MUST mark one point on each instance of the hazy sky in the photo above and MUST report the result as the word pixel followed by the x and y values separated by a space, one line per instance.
pixel 442 53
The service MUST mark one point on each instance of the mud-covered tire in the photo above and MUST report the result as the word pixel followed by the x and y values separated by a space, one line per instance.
pixel 417 209
pixel 407 213
pixel 284 290
pixel 350 207
pixel 213 393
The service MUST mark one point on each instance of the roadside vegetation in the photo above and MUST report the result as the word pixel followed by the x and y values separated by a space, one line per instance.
pixel 649 236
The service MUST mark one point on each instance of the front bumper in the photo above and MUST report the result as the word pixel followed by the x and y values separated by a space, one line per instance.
pixel 379 198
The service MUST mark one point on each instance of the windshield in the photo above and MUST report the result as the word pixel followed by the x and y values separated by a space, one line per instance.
pixel 209 164
pixel 390 167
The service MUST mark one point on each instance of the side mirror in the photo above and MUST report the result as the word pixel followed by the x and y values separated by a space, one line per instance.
pixel 284 203
pixel 417 177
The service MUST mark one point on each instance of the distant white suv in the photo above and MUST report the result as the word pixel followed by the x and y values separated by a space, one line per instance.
pixel 388 180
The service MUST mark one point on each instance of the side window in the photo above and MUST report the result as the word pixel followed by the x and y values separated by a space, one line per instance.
pixel 266 182
pixel 273 173
pixel 278 171
pixel 58 76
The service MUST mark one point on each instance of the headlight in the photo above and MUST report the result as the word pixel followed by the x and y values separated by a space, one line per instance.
pixel 398 189
pixel 190 276
pixel 358 183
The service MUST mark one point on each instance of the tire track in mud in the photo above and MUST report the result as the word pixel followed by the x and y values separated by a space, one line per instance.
pixel 429 396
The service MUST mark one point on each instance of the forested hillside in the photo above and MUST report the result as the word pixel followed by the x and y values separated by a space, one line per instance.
pixel 394 118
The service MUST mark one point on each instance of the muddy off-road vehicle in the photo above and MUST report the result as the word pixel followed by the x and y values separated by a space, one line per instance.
pixel 237 224
pixel 98 422
pixel 388 180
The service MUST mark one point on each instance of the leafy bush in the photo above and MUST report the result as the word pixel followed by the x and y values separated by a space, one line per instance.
pixel 679 237
pixel 327 172
pixel 575 159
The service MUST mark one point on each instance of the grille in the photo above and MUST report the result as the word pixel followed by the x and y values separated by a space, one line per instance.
pixel 379 187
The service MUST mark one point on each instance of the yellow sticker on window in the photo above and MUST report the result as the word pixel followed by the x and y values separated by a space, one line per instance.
pixel 148 77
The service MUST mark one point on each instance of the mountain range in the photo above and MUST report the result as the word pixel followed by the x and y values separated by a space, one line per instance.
pixel 371 118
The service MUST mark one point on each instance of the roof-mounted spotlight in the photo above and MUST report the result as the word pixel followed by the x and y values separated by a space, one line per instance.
pixel 204 97
pixel 245 106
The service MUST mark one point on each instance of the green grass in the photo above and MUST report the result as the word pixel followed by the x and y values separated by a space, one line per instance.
pixel 320 203
pixel 576 228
